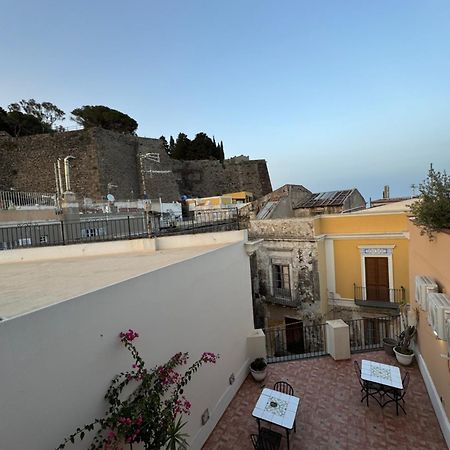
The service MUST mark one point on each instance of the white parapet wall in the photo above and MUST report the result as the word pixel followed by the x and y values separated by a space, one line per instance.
pixel 256 344
pixel 56 363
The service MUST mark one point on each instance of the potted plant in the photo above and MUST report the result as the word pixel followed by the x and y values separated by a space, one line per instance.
pixel 258 369
pixel 402 351
pixel 389 344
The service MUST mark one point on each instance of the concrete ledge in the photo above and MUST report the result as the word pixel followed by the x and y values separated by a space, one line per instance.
pixel 201 239
pixel 435 401
pixel 76 250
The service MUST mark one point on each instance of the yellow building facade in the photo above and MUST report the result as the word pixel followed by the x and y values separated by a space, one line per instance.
pixel 364 258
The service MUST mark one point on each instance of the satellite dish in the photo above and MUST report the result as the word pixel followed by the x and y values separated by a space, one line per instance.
pixel 110 197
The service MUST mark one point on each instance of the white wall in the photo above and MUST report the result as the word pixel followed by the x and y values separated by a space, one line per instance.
pixel 56 363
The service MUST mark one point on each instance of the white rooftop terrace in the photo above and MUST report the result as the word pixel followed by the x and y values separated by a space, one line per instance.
pixel 65 306
pixel 38 277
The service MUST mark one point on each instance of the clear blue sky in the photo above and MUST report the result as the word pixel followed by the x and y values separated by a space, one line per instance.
pixel 333 94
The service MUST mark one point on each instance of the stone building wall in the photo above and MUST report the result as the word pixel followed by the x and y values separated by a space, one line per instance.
pixel 211 177
pixel 112 162
pixel 118 172
pixel 26 164
pixel 287 242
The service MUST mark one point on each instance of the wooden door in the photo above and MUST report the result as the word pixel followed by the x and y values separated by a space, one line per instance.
pixel 377 279
pixel 371 332
pixel 294 335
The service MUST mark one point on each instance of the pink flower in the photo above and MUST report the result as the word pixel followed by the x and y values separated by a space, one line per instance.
pixel 209 357
pixel 111 435
pixel 129 335
pixel 168 376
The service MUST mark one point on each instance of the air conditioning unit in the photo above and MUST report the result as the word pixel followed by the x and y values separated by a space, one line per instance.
pixel 448 336
pixel 424 285
pixel 438 313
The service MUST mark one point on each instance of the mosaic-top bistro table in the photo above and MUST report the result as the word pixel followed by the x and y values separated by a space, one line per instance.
pixel 384 375
pixel 381 374
pixel 278 408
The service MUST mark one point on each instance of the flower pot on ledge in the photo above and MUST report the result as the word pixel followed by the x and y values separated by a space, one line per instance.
pixel 404 357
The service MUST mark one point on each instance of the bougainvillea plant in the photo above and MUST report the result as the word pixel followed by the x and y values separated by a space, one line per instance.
pixel 152 413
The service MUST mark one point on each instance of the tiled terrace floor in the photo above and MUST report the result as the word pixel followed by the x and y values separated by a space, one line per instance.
pixel 331 415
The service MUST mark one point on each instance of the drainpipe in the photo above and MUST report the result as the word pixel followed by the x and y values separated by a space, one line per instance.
pixel 59 176
pixel 66 171
pixel 58 193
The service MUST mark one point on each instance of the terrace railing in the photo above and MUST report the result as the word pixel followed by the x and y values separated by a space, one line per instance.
pixel 16 199
pixel 207 221
pixel 295 341
pixel 64 232
pixel 367 334
pixel 106 228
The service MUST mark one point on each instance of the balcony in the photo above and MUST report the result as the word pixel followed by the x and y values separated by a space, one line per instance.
pixel 282 300
pixel 331 415
pixel 378 297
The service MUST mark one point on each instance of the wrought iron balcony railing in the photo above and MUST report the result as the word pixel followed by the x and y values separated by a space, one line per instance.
pixel 378 296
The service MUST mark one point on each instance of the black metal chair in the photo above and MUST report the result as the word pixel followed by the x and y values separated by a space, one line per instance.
pixel 266 440
pixel 397 395
pixel 284 387
pixel 368 388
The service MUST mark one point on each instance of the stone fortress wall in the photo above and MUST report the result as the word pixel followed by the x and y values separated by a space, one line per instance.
pixel 124 165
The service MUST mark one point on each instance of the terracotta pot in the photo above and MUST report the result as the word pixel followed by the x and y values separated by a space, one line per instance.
pixel 402 358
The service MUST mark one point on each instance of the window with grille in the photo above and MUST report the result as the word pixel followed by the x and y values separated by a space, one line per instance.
pixel 281 281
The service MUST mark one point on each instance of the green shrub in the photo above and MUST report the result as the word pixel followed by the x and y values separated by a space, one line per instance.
pixel 432 210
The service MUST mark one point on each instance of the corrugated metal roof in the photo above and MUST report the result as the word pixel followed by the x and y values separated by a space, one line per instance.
pixel 267 209
pixel 331 198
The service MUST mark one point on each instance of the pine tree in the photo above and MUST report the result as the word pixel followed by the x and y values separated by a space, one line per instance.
pixel 432 210
pixel 165 144
pixel 171 146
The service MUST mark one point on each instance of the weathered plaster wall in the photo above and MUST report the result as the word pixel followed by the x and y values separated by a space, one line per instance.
pixel 288 242
pixel 282 229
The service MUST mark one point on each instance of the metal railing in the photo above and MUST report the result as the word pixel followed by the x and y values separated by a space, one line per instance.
pixel 106 228
pixel 295 341
pixel 368 333
pixel 207 222
pixel 16 199
pixel 377 293
pixel 64 233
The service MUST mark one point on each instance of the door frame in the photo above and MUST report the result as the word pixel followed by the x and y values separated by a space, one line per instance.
pixel 377 251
